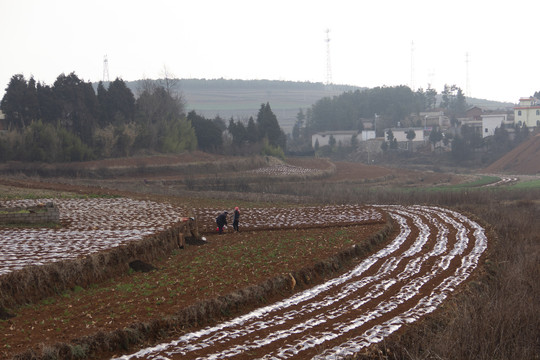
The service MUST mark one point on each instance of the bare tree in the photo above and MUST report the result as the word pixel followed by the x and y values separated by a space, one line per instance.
pixel 169 82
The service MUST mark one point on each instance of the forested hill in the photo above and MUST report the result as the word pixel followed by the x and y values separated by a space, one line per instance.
pixel 241 99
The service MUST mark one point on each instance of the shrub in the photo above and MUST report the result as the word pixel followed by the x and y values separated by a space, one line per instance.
pixel 270 150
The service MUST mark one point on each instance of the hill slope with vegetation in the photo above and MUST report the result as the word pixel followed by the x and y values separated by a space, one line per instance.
pixel 241 99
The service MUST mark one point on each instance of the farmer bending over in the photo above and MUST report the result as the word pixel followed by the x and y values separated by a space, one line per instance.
pixel 221 221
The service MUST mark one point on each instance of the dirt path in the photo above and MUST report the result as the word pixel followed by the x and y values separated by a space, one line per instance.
pixel 435 251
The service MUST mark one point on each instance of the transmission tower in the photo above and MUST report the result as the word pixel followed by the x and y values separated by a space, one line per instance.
pixel 467 84
pixel 105 69
pixel 412 65
pixel 328 67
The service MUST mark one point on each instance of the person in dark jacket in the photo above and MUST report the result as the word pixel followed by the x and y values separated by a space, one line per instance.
pixel 236 219
pixel 221 221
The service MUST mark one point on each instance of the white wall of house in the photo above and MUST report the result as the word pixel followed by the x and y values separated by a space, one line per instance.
pixel 367 135
pixel 491 122
pixel 400 134
pixel 527 112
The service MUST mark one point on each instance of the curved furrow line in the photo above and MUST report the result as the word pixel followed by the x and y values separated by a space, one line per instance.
pixel 407 292
pixel 304 299
pixel 210 336
pixel 427 304
pixel 393 287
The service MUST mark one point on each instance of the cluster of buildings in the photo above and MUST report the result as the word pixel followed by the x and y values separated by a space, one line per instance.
pixel 527 113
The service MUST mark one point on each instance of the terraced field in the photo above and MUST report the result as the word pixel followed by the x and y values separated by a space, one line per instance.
pixel 433 252
pixel 93 225
pixel 88 226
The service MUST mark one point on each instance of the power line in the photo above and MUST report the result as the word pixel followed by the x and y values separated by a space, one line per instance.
pixel 467 83
pixel 412 65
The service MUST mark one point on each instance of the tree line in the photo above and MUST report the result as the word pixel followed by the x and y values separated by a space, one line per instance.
pixel 70 121
pixel 391 106
pixel 261 135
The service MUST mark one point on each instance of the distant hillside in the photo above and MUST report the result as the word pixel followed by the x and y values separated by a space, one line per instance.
pixel 490 104
pixel 241 99
pixel 524 160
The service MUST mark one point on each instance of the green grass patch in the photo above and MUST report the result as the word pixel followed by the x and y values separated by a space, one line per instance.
pixel 482 181
pixel 21 194
pixel 125 287
pixel 23 211
pixel 477 184
pixel 533 184
pixel 48 301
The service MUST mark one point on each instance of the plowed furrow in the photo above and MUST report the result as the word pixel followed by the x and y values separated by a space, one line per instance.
pixel 433 252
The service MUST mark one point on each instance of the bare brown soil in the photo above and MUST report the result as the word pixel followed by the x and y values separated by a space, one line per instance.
pixel 523 160
pixel 327 313
pixel 117 303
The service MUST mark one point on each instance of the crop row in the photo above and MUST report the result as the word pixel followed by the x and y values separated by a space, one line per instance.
pixel 294 217
pixel 93 225
pixel 88 226
pixel 284 170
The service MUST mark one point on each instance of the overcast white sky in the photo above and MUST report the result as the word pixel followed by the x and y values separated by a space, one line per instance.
pixel 370 41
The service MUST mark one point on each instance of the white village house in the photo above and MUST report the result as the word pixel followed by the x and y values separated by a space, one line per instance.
pixel 493 121
pixel 528 112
